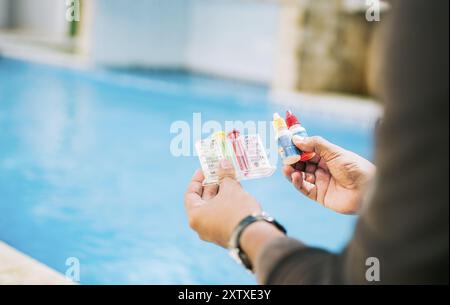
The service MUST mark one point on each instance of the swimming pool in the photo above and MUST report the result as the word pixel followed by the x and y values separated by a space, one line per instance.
pixel 86 172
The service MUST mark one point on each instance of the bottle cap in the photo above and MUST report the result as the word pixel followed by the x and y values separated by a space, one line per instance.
pixel 291 119
pixel 220 135
pixel 278 122
pixel 234 134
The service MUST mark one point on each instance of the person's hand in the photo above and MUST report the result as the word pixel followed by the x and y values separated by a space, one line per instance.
pixel 214 211
pixel 335 177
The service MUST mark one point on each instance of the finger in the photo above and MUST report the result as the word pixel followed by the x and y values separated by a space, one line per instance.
pixel 311 178
pixel 210 191
pixel 195 186
pixel 309 189
pixel 192 200
pixel 314 160
pixel 226 169
pixel 226 175
pixel 306 188
pixel 319 145
pixel 300 166
pixel 287 172
pixel 322 182
pixel 194 191
pixel 297 179
pixel 198 176
pixel 310 168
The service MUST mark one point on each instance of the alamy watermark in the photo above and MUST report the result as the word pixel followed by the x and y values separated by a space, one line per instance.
pixel 73 10
pixel 73 269
pixel 373 10
pixel 373 270
pixel 186 134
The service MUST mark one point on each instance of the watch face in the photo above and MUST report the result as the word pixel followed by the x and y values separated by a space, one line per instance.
pixel 266 216
pixel 234 253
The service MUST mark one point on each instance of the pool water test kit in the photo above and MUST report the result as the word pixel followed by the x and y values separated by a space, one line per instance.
pixel 247 153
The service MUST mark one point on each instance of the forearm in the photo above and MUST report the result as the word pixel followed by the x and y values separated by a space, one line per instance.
pixel 256 236
pixel 278 259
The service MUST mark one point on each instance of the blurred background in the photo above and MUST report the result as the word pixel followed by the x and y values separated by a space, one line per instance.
pixel 287 44
pixel 86 109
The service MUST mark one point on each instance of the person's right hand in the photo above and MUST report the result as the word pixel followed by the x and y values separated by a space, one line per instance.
pixel 335 177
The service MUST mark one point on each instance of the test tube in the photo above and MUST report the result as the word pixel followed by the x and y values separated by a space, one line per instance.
pixel 219 137
pixel 239 150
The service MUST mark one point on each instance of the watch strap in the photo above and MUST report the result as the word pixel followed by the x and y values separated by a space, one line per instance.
pixel 235 248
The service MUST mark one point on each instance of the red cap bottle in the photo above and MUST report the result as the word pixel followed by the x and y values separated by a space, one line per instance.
pixel 291 119
pixel 297 129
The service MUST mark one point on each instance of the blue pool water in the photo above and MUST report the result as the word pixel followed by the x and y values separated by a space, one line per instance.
pixel 86 172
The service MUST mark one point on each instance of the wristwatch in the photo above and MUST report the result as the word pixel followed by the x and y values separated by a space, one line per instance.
pixel 234 245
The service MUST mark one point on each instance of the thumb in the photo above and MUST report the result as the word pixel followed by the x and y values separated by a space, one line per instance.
pixel 319 145
pixel 226 173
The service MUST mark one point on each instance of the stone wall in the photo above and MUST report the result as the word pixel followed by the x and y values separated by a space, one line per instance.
pixel 325 47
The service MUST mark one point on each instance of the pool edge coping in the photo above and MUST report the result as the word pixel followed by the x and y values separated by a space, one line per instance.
pixel 17 268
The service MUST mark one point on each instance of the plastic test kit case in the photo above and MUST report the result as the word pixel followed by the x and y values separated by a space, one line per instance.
pixel 245 152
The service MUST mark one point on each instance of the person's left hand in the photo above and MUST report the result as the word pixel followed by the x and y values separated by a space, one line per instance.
pixel 214 211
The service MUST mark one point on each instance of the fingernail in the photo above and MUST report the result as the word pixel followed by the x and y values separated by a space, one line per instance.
pixel 225 164
pixel 292 177
pixel 196 173
pixel 297 139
